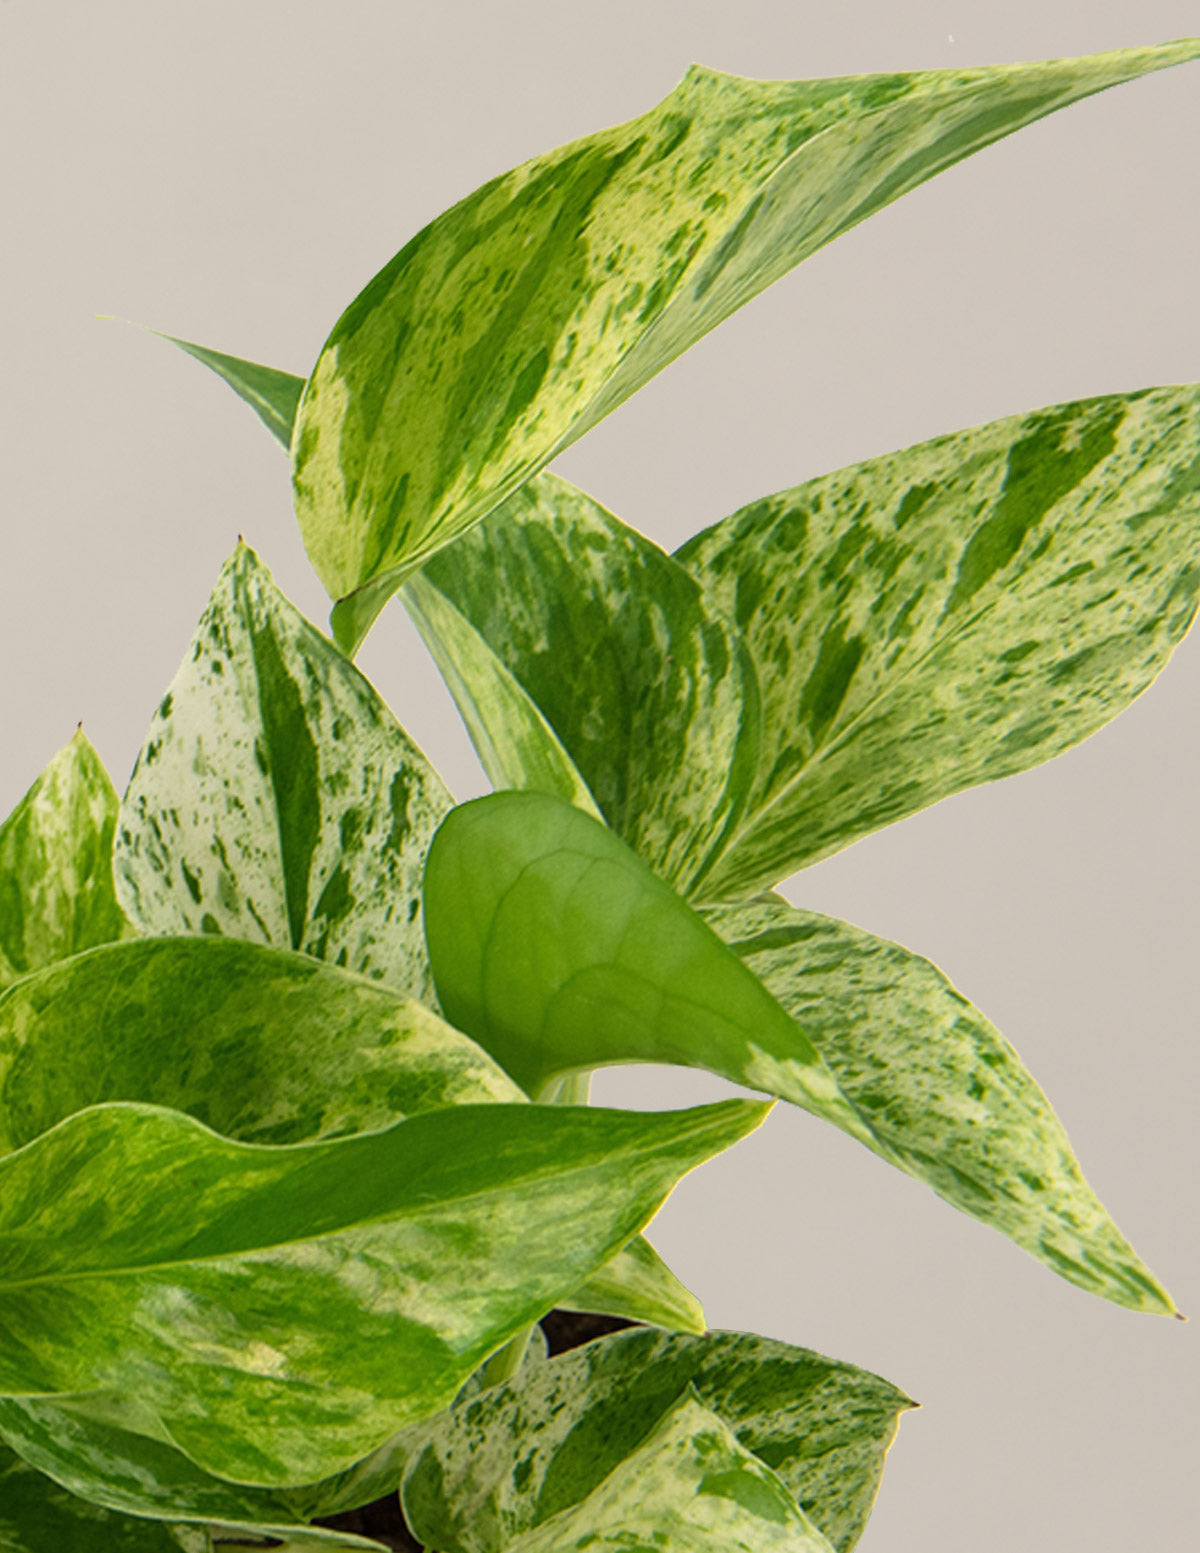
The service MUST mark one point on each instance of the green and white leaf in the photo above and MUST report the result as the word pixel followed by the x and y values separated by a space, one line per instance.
pixel 274 396
pixel 56 883
pixel 498 1466
pixel 278 1313
pixel 516 746
pixel 523 315
pixel 121 1474
pixel 557 949
pixel 690 1488
pixel 37 1516
pixel 259 1044
pixel 942 1086
pixel 276 799
pixel 952 613
pixel 647 688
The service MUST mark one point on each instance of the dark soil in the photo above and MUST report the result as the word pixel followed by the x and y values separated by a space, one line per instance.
pixel 383 1520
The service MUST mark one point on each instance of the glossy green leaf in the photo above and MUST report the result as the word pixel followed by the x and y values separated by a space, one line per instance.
pixel 37 1516
pixel 516 745
pixel 942 1087
pixel 128 1474
pixel 523 315
pixel 638 1285
pixel 276 799
pixel 56 883
pixel 689 1488
pixel 274 396
pixel 498 1466
pixel 277 1313
pixel 555 947
pixel 646 687
pixel 267 1047
pixel 259 1044
pixel 952 614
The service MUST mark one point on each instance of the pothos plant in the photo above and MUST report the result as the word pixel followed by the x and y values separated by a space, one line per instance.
pixel 294 1053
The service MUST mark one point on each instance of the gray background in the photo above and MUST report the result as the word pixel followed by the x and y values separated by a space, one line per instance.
pixel 234 172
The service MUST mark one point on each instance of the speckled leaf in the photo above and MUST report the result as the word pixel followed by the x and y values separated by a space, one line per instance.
pixel 952 614
pixel 273 395
pixel 37 1516
pixel 557 949
pixel 276 799
pixel 56 883
pixel 130 1474
pixel 647 688
pixel 259 1044
pixel 277 1313
pixel 942 1086
pixel 523 315
pixel 498 1466
pixel 516 745
pixel 689 1488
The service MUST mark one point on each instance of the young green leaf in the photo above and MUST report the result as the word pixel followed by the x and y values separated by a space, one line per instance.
pixel 516 745
pixel 942 1086
pixel 951 614
pixel 56 883
pixel 647 688
pixel 37 1516
pixel 496 1467
pixel 276 799
pixel 556 948
pixel 523 315
pixel 259 1044
pixel 274 396
pixel 277 1313
pixel 123 1474
pixel 689 1488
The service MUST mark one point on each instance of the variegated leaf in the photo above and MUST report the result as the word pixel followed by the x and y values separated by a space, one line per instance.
pixel 122 1474
pixel 37 1516
pixel 277 1313
pixel 638 1285
pixel 276 799
pixel 557 949
pixel 952 614
pixel 942 1086
pixel 516 745
pixel 259 1044
pixel 689 1488
pixel 267 1047
pixel 523 315
pixel 274 396
pixel 56 881
pixel 647 688
pixel 497 1467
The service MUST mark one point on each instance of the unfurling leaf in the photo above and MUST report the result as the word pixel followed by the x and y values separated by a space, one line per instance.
pixel 56 877
pixel 276 798
pixel 556 948
pixel 519 318
pixel 277 1313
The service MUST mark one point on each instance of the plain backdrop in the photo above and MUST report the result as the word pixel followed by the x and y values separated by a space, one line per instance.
pixel 234 172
